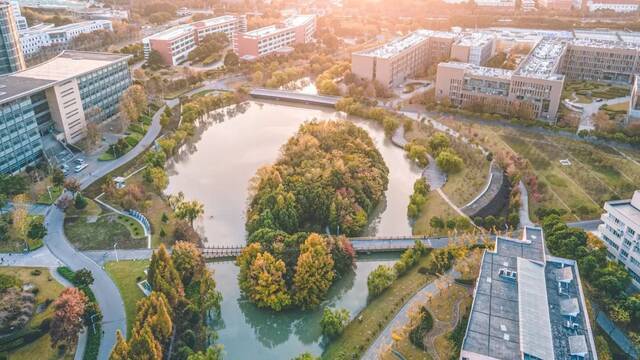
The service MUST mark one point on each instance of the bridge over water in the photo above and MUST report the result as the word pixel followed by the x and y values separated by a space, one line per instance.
pixel 291 96
pixel 360 245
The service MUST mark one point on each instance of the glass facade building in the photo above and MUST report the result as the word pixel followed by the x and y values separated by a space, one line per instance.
pixel 11 58
pixel 20 143
pixel 102 89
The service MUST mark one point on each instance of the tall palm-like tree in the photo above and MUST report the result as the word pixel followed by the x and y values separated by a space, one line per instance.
pixel 190 210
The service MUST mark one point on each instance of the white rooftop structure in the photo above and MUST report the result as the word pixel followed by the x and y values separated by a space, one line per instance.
pixel 171 33
pixel 298 20
pixel 398 45
pixel 535 324
pixel 543 60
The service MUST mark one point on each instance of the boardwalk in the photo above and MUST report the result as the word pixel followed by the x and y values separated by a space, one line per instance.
pixel 281 95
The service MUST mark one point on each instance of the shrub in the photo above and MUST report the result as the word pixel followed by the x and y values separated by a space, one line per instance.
pixel 380 279
pixel 80 202
pixel 333 322
pixel 417 334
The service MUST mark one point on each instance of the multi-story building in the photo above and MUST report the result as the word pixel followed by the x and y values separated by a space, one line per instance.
pixel 620 232
pixel 474 48
pixel 634 104
pixel 11 59
pixel 297 29
pixel 175 44
pixel 41 36
pixel 601 60
pixel 101 14
pixel 560 5
pixel 21 21
pixel 55 97
pixel 527 304
pixel 619 6
pixel 396 61
pixel 497 4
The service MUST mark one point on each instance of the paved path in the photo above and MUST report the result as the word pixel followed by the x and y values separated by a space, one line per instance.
pixel 99 169
pixel 589 109
pixel 106 292
pixel 38 258
pixel 103 256
pixel 402 317
pixel 523 212
pixel 33 209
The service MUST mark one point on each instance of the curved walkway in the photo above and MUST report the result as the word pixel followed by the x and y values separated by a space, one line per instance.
pixel 402 317
pixel 106 292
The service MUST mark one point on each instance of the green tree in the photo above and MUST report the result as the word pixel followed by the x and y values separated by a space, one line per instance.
pixel 212 353
pixel 306 356
pixel 244 261
pixel 380 279
pixel 83 278
pixel 267 286
pixel 57 177
pixel 153 312
pixel 37 230
pixel 436 222
pixel 231 59
pixel 189 211
pixel 188 262
pixel 438 142
pixel 121 349
pixel 333 322
pixel 80 202
pixel 157 177
pixel 163 277
pixel 314 272
pixel 449 162
pixel 144 346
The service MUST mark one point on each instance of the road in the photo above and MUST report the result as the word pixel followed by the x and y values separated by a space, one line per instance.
pixel 98 169
pixel 106 292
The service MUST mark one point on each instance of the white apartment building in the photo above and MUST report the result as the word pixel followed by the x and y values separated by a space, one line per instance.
pixel 619 6
pixel 297 29
pixel 37 37
pixel 21 21
pixel 621 233
pixel 175 44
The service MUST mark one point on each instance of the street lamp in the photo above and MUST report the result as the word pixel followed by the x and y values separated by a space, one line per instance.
pixel 116 250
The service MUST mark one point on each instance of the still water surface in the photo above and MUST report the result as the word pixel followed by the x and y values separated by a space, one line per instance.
pixel 218 164
pixel 216 168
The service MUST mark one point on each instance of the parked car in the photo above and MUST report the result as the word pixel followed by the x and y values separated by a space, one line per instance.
pixel 80 167
pixel 79 161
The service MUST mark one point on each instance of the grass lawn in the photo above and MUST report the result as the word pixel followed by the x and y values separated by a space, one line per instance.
pixel 100 235
pixel 92 209
pixel 125 275
pixel 48 197
pixel 622 107
pixel 597 173
pixel 49 289
pixel 366 326
pixel 134 227
pixel 435 206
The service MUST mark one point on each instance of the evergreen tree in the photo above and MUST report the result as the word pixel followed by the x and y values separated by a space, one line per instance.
pixel 314 272
pixel 121 349
pixel 244 262
pixel 266 282
pixel 163 276
pixel 188 262
pixel 154 313
pixel 144 346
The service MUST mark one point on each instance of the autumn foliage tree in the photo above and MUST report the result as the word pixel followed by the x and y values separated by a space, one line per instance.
pixel 266 282
pixel 67 318
pixel 314 272
pixel 163 277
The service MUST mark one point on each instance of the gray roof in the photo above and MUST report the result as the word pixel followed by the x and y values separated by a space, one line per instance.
pixel 569 307
pixel 578 345
pixel 15 86
pixel 564 274
pixel 533 309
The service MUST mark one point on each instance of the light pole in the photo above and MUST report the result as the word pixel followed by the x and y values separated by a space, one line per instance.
pixel 116 250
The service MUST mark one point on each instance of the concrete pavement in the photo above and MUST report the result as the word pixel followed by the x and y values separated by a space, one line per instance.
pixel 106 292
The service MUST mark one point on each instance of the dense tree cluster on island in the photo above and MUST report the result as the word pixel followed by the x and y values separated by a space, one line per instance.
pixel 173 318
pixel 329 176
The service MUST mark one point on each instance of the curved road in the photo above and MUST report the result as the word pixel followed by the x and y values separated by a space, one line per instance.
pixel 107 294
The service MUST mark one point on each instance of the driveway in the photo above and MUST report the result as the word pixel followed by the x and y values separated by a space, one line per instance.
pixel 106 292
pixel 589 109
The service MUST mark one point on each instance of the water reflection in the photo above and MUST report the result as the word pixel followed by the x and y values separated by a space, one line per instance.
pixel 246 331
pixel 216 165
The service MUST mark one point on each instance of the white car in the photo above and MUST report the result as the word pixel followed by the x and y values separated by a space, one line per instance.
pixel 80 167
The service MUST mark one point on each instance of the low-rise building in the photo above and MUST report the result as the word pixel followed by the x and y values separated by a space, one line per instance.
pixel 101 14
pixel 619 6
pixel 474 48
pixel 527 304
pixel 175 44
pixel 41 36
pixel 281 37
pixel 620 232
pixel 55 97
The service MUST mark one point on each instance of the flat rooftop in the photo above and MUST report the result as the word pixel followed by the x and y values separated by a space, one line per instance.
pixel 264 31
pixel 298 20
pixel 398 45
pixel 516 308
pixel 542 62
pixel 69 64
pixel 214 21
pixel 172 33
pixel 476 39
pixel 78 25
pixel 629 208
pixel 472 69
